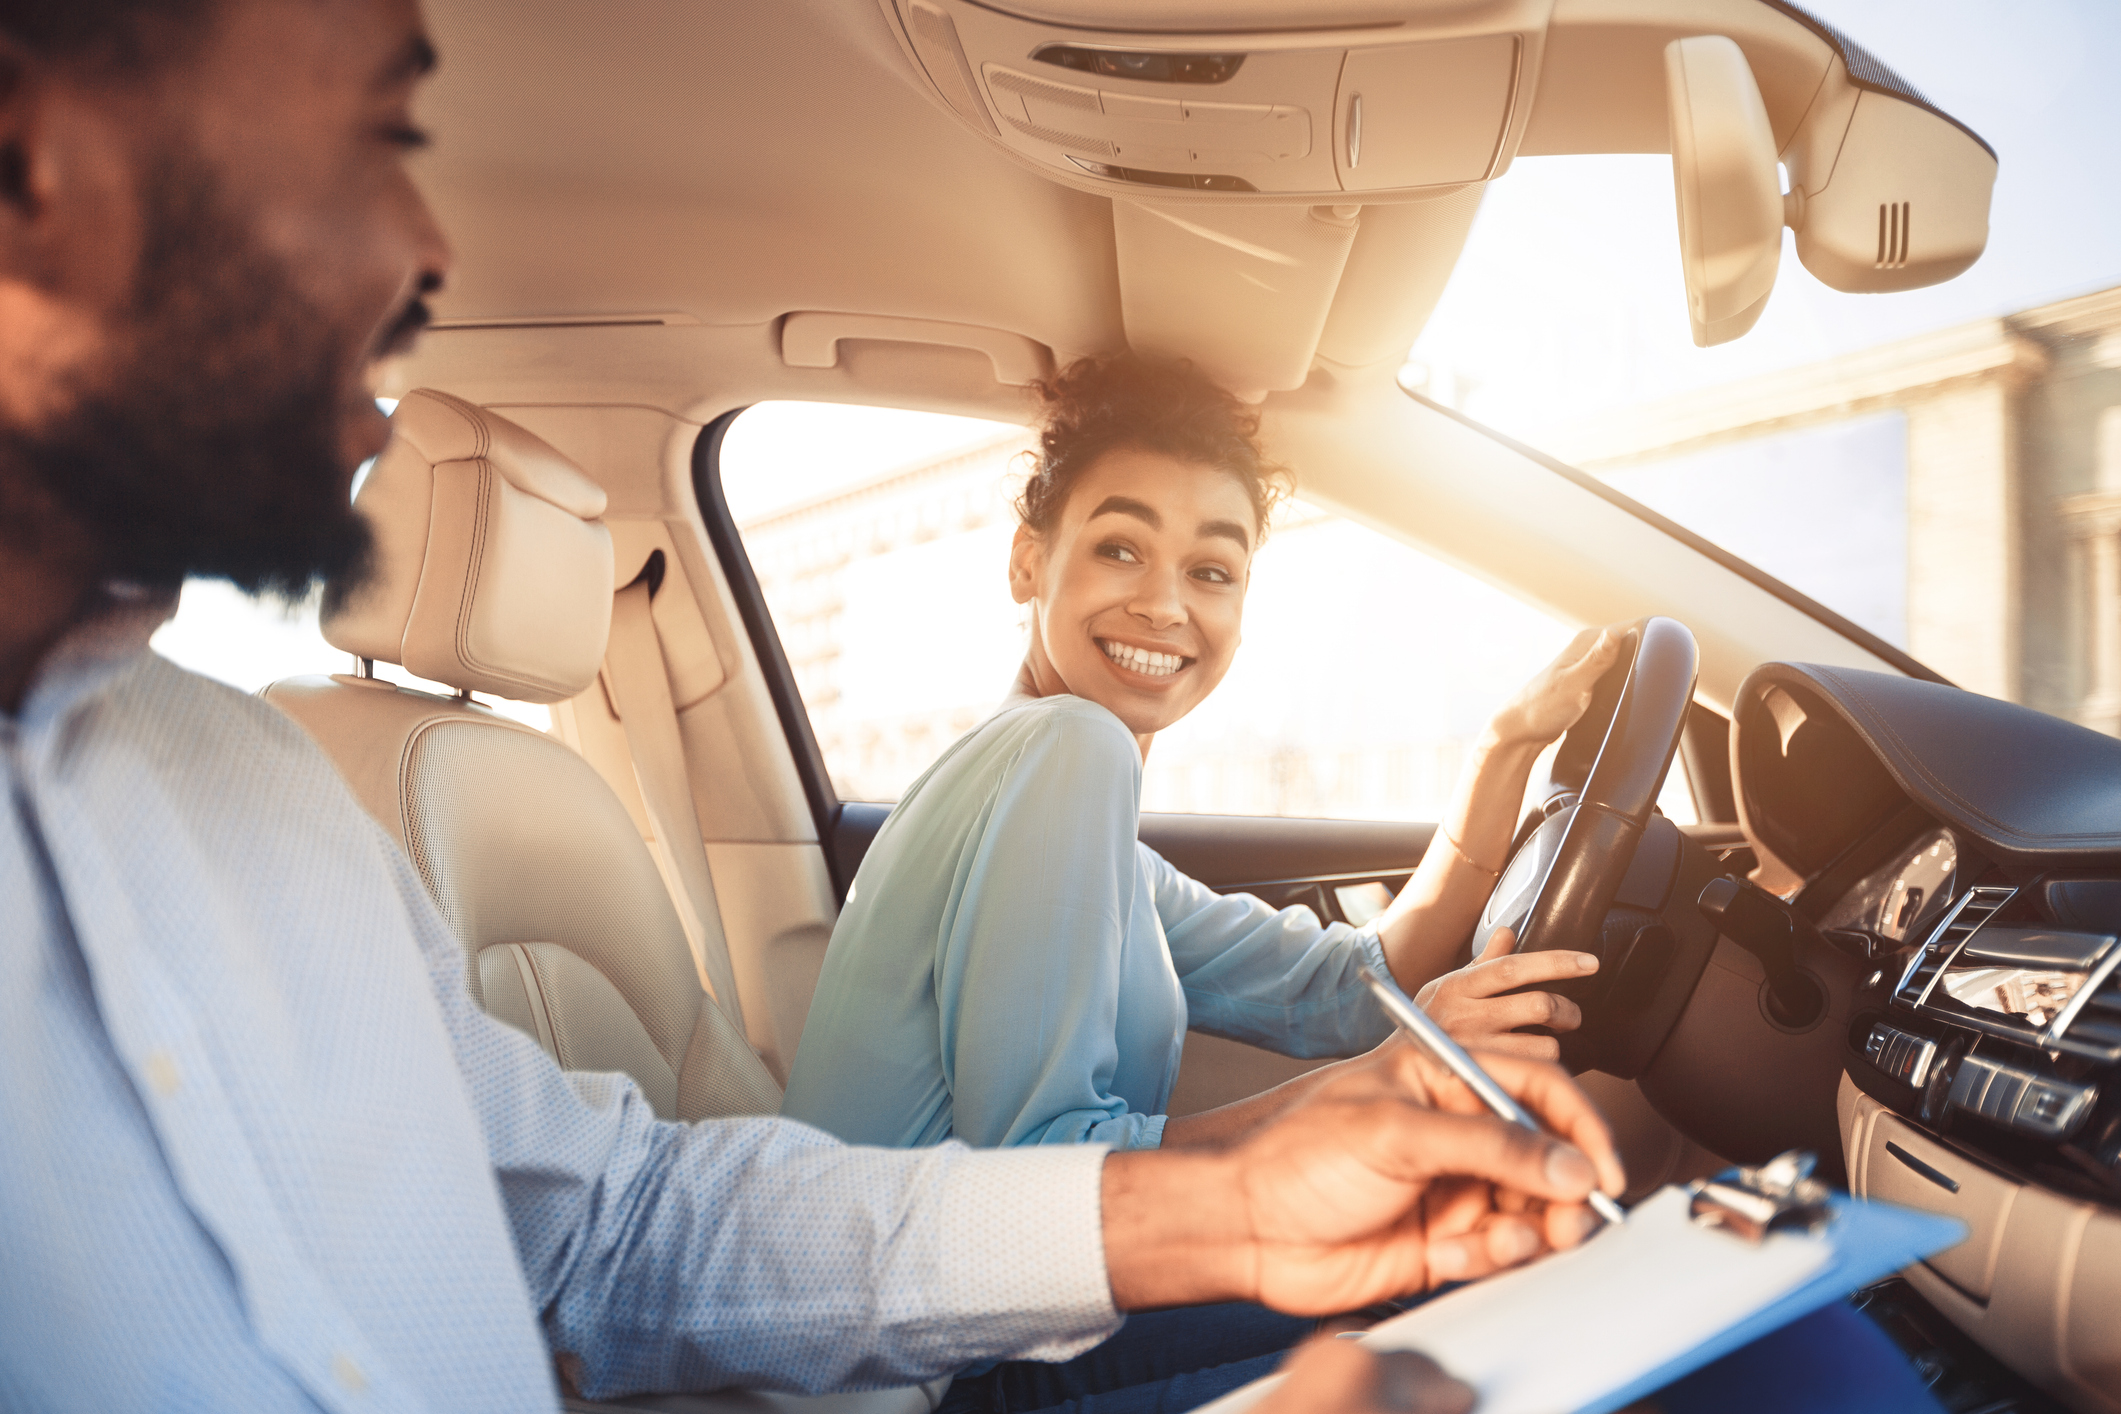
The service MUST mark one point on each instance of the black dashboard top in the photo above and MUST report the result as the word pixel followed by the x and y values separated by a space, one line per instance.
pixel 1822 756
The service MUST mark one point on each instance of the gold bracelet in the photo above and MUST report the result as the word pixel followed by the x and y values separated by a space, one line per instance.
pixel 1459 850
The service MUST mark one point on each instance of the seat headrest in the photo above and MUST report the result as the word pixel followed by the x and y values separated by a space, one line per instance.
pixel 492 570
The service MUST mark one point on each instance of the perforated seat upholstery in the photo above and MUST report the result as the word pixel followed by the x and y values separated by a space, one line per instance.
pixel 494 574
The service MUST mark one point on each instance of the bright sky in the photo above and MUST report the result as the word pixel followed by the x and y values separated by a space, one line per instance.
pixel 813 447
pixel 1569 300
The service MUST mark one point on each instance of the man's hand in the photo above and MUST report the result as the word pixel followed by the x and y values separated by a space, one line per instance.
pixel 1388 1180
pixel 1471 1005
pixel 1327 1376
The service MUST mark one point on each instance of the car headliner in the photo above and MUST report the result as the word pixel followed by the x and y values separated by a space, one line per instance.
pixel 640 193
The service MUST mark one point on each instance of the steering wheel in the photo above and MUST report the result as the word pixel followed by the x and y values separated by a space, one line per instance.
pixel 1560 883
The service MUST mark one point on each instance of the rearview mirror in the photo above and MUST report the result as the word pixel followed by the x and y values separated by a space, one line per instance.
pixel 1723 172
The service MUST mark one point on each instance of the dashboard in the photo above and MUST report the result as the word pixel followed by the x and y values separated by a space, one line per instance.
pixel 1963 855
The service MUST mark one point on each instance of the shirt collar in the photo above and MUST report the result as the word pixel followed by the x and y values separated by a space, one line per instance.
pixel 104 642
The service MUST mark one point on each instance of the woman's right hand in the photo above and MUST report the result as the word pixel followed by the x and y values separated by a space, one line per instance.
pixel 1551 702
pixel 1471 1005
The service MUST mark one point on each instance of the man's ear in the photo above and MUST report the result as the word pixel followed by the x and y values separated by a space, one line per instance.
pixel 73 155
pixel 20 124
pixel 1026 559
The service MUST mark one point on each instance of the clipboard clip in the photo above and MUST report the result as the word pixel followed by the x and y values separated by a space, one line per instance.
pixel 1779 1196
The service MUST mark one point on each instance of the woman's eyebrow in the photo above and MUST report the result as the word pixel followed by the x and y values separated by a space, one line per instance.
pixel 1229 529
pixel 1128 506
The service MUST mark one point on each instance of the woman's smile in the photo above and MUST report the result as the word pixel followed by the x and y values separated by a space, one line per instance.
pixel 1143 662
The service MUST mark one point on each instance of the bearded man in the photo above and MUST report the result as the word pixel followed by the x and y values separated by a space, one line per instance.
pixel 260 1149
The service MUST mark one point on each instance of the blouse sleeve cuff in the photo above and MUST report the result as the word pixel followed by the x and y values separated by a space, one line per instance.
pixel 1151 1133
pixel 1024 1248
pixel 1371 947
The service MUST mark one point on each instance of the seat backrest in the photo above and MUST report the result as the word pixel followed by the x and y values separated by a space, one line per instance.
pixel 493 572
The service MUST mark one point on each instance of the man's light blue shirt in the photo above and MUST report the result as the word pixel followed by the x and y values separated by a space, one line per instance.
pixel 1013 966
pixel 260 1150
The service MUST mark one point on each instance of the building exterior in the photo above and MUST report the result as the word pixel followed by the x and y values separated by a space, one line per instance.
pixel 817 563
pixel 2012 474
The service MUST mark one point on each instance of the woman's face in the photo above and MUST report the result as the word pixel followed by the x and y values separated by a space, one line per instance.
pixel 1139 587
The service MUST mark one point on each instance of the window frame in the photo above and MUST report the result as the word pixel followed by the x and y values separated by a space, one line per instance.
pixel 727 542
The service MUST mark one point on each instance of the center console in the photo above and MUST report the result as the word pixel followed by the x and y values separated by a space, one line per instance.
pixel 1983 1081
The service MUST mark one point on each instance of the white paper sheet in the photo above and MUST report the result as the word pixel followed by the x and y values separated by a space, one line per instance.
pixel 1571 1328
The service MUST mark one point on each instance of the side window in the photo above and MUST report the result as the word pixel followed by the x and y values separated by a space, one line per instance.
pixel 881 540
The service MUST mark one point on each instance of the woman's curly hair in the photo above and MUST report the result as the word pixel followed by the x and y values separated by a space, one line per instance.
pixel 1108 401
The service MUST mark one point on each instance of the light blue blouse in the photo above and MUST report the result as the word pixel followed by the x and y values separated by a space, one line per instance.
pixel 1013 967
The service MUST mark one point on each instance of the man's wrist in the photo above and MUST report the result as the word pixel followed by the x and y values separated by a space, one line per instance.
pixel 1177 1230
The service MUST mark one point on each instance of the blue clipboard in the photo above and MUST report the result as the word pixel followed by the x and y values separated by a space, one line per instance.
pixel 1870 1241
pixel 1644 1304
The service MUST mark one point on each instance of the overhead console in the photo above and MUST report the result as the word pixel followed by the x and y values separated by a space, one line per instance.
pixel 1314 112
pixel 1399 97
pixel 1213 106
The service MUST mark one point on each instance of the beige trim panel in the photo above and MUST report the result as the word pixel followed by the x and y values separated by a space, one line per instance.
pixel 777 913
pixel 2051 1265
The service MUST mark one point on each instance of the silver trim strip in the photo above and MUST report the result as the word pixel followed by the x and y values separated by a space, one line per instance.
pixel 2093 981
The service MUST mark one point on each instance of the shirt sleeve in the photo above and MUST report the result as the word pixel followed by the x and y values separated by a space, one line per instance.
pixel 1029 952
pixel 1268 977
pixel 761 1253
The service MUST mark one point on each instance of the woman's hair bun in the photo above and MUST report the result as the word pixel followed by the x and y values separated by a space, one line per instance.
pixel 1108 401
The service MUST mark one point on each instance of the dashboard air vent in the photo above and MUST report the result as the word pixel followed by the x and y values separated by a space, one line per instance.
pixel 2097 1024
pixel 1973 909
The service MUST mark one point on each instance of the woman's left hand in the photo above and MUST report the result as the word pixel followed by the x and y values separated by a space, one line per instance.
pixel 1481 1008
pixel 1551 702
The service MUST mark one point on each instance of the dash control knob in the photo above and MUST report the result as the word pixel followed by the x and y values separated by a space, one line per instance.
pixel 1937 1093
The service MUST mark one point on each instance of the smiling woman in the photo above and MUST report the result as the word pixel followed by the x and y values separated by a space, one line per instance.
pixel 1138 527
pixel 1147 500
pixel 1012 966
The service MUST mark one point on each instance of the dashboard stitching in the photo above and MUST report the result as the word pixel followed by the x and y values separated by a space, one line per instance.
pixel 1915 765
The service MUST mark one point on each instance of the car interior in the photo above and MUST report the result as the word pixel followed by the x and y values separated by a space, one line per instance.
pixel 1892 937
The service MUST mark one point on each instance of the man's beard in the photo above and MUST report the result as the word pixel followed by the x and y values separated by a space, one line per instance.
pixel 209 445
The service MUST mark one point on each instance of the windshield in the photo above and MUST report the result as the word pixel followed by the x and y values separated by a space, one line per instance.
pixel 1941 467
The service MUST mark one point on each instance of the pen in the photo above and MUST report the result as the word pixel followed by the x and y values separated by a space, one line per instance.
pixel 1421 1028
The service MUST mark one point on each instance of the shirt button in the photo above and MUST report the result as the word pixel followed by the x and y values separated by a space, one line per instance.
pixel 348 1373
pixel 162 1074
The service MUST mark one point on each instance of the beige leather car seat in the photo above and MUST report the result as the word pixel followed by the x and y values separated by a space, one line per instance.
pixel 493 574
